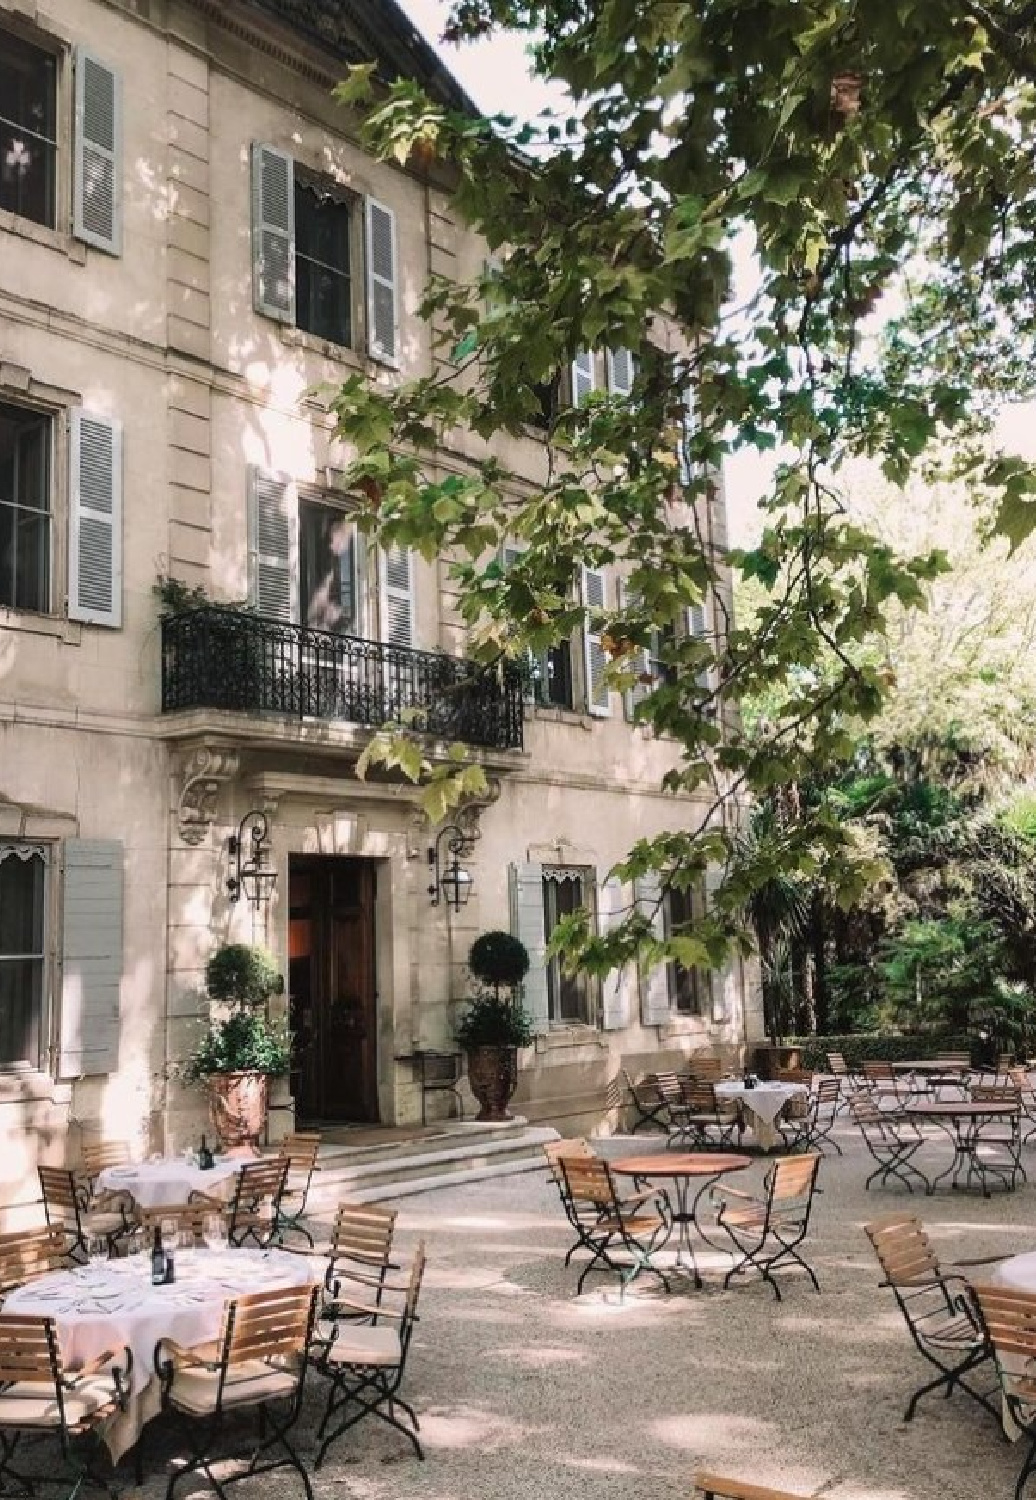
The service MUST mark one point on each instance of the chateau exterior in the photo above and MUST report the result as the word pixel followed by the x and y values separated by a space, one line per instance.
pixel 192 244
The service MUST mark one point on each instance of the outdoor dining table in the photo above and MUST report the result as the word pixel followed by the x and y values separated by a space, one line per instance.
pixel 963 1121
pixel 935 1071
pixel 763 1102
pixel 167 1182
pixel 112 1304
pixel 706 1167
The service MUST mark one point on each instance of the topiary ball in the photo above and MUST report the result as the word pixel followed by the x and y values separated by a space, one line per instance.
pixel 498 958
pixel 241 975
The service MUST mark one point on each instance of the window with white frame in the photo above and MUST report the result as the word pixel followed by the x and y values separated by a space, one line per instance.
pixel 26 517
pixel 682 910
pixel 23 925
pixel 323 259
pixel 571 998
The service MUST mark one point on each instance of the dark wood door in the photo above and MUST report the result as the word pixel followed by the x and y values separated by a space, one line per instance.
pixel 333 989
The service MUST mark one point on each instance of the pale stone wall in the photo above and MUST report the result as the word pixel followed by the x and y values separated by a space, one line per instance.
pixel 164 338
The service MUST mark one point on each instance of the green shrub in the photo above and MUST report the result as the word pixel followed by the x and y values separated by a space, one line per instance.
pixel 496 958
pixel 491 1021
pixel 875 1046
pixel 246 1042
pixel 238 974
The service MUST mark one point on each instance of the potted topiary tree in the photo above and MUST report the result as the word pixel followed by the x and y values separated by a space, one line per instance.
pixel 494 1025
pixel 242 1049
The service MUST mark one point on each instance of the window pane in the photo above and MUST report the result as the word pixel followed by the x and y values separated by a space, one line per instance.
pixel 21 955
pixel 21 995
pixel 568 995
pixel 24 509
pixel 323 291
pixel 28 101
pixel 21 904
pixel 557 689
pixel 322 302
pixel 327 582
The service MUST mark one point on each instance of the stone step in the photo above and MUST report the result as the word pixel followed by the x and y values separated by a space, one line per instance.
pixel 452 1133
pixel 370 1175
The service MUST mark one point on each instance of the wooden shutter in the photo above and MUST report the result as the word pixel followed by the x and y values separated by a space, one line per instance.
pixel 97 154
pixel 639 663
pixel 272 545
pixel 273 233
pixel 697 625
pixel 382 278
pixel 615 1010
pixel 687 419
pixel 582 376
pixel 526 883
pixel 654 982
pixel 91 963
pixel 594 660
pixel 397 596
pixel 620 371
pixel 95 519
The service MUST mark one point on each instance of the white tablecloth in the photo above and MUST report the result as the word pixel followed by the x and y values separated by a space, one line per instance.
pixel 1019 1271
pixel 153 1184
pixel 761 1104
pixel 111 1304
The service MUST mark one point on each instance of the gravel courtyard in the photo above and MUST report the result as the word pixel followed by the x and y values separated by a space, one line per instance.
pixel 526 1392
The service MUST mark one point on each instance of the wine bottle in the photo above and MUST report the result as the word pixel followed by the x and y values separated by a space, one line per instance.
pixel 158 1259
pixel 205 1161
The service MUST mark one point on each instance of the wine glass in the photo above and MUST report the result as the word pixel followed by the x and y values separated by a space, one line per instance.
pixel 215 1231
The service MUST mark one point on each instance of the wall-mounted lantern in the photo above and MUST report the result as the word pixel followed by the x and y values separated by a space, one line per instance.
pixel 451 883
pixel 249 849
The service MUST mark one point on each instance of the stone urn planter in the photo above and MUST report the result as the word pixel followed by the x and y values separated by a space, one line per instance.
pixel 493 1077
pixel 237 1107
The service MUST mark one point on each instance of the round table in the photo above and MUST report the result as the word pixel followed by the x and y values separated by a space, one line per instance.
pixel 963 1119
pixel 1018 1271
pixel 109 1304
pixel 763 1101
pixel 684 1168
pixel 168 1182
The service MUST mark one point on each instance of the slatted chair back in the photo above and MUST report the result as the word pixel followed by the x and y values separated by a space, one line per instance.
pixel 646 1100
pixel 836 1064
pixel 555 1150
pixel 300 1150
pixel 29 1350
pixel 669 1087
pixel 260 1186
pixel 274 1325
pixel 1010 1321
pixel 716 1487
pixel 589 1182
pixel 413 1293
pixel 790 1184
pixel 879 1072
pixel 28 1253
pixel 960 1059
pixel 100 1154
pixel 705 1069
pixel 996 1093
pixel 361 1245
pixel 1005 1062
pixel 828 1091
pixel 795 1075
pixel 701 1099
pixel 188 1217
pixel 62 1198
pixel 903 1249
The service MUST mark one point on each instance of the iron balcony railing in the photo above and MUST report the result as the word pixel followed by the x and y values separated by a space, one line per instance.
pixel 247 663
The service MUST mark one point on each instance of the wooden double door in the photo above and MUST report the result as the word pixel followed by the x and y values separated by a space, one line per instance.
pixel 333 988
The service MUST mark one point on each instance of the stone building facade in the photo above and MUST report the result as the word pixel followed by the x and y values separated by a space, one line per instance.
pixel 192 244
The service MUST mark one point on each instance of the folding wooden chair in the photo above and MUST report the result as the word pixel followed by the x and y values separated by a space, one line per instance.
pixel 65 1203
pixel 715 1487
pixel 555 1151
pixel 767 1232
pixel 259 1361
pixel 28 1253
pixel 647 1101
pixel 365 1358
pixel 607 1221
pixel 849 1080
pixel 939 1310
pixel 252 1214
pixel 1004 1133
pixel 1009 1320
pixel 880 1078
pixel 892 1140
pixel 1027 1099
pixel 704 1068
pixel 810 1130
pixel 300 1150
pixel 39 1398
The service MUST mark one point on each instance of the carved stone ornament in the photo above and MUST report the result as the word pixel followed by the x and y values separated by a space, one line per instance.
pixel 205 770
pixel 469 814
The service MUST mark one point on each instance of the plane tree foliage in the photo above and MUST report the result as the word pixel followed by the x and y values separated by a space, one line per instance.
pixel 878 155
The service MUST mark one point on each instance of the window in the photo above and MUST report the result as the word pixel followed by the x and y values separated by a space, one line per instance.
pixel 570 997
pixel 323 280
pixel 551 674
pixel 23 872
pixel 328 585
pixel 28 130
pixel 25 516
pixel 688 988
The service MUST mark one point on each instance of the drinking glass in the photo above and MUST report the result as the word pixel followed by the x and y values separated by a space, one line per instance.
pixel 215 1231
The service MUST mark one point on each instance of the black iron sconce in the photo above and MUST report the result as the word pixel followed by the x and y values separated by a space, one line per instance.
pixel 451 883
pixel 248 849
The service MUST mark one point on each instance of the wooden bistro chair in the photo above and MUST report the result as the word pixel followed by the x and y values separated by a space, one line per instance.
pixel 259 1361
pixel 28 1253
pixel 1004 1134
pixel 938 1309
pixel 252 1214
pixel 364 1358
pixel 607 1221
pixel 1027 1099
pixel 648 1103
pixel 65 1203
pixel 40 1399
pixel 554 1151
pixel 810 1129
pixel 715 1487
pixel 359 1257
pixel 1009 1319
pixel 766 1232
pixel 892 1140
pixel 704 1068
pixel 849 1080
pixel 300 1150
pixel 880 1080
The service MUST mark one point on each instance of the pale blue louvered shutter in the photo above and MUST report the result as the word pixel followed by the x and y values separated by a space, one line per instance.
pixel 527 924
pixel 582 377
pixel 687 420
pixel 97 154
pixel 654 982
pixel 594 660
pixel 640 662
pixel 697 624
pixel 615 1008
pixel 397 596
pixel 273 233
pixel 95 519
pixel 382 283
pixel 621 371
pixel 91 958
pixel 272 545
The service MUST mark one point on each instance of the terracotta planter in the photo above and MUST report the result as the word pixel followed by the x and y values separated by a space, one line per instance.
pixel 237 1107
pixel 769 1060
pixel 493 1075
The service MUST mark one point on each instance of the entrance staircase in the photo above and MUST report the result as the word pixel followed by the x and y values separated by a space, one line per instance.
pixel 367 1166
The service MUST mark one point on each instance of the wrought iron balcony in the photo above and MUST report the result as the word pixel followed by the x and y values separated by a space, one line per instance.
pixel 246 663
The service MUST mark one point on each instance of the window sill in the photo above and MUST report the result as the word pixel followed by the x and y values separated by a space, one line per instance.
pixel 554 714
pixel 56 626
pixel 40 234
pixel 683 1025
pixel 342 354
pixel 27 1085
pixel 561 1037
